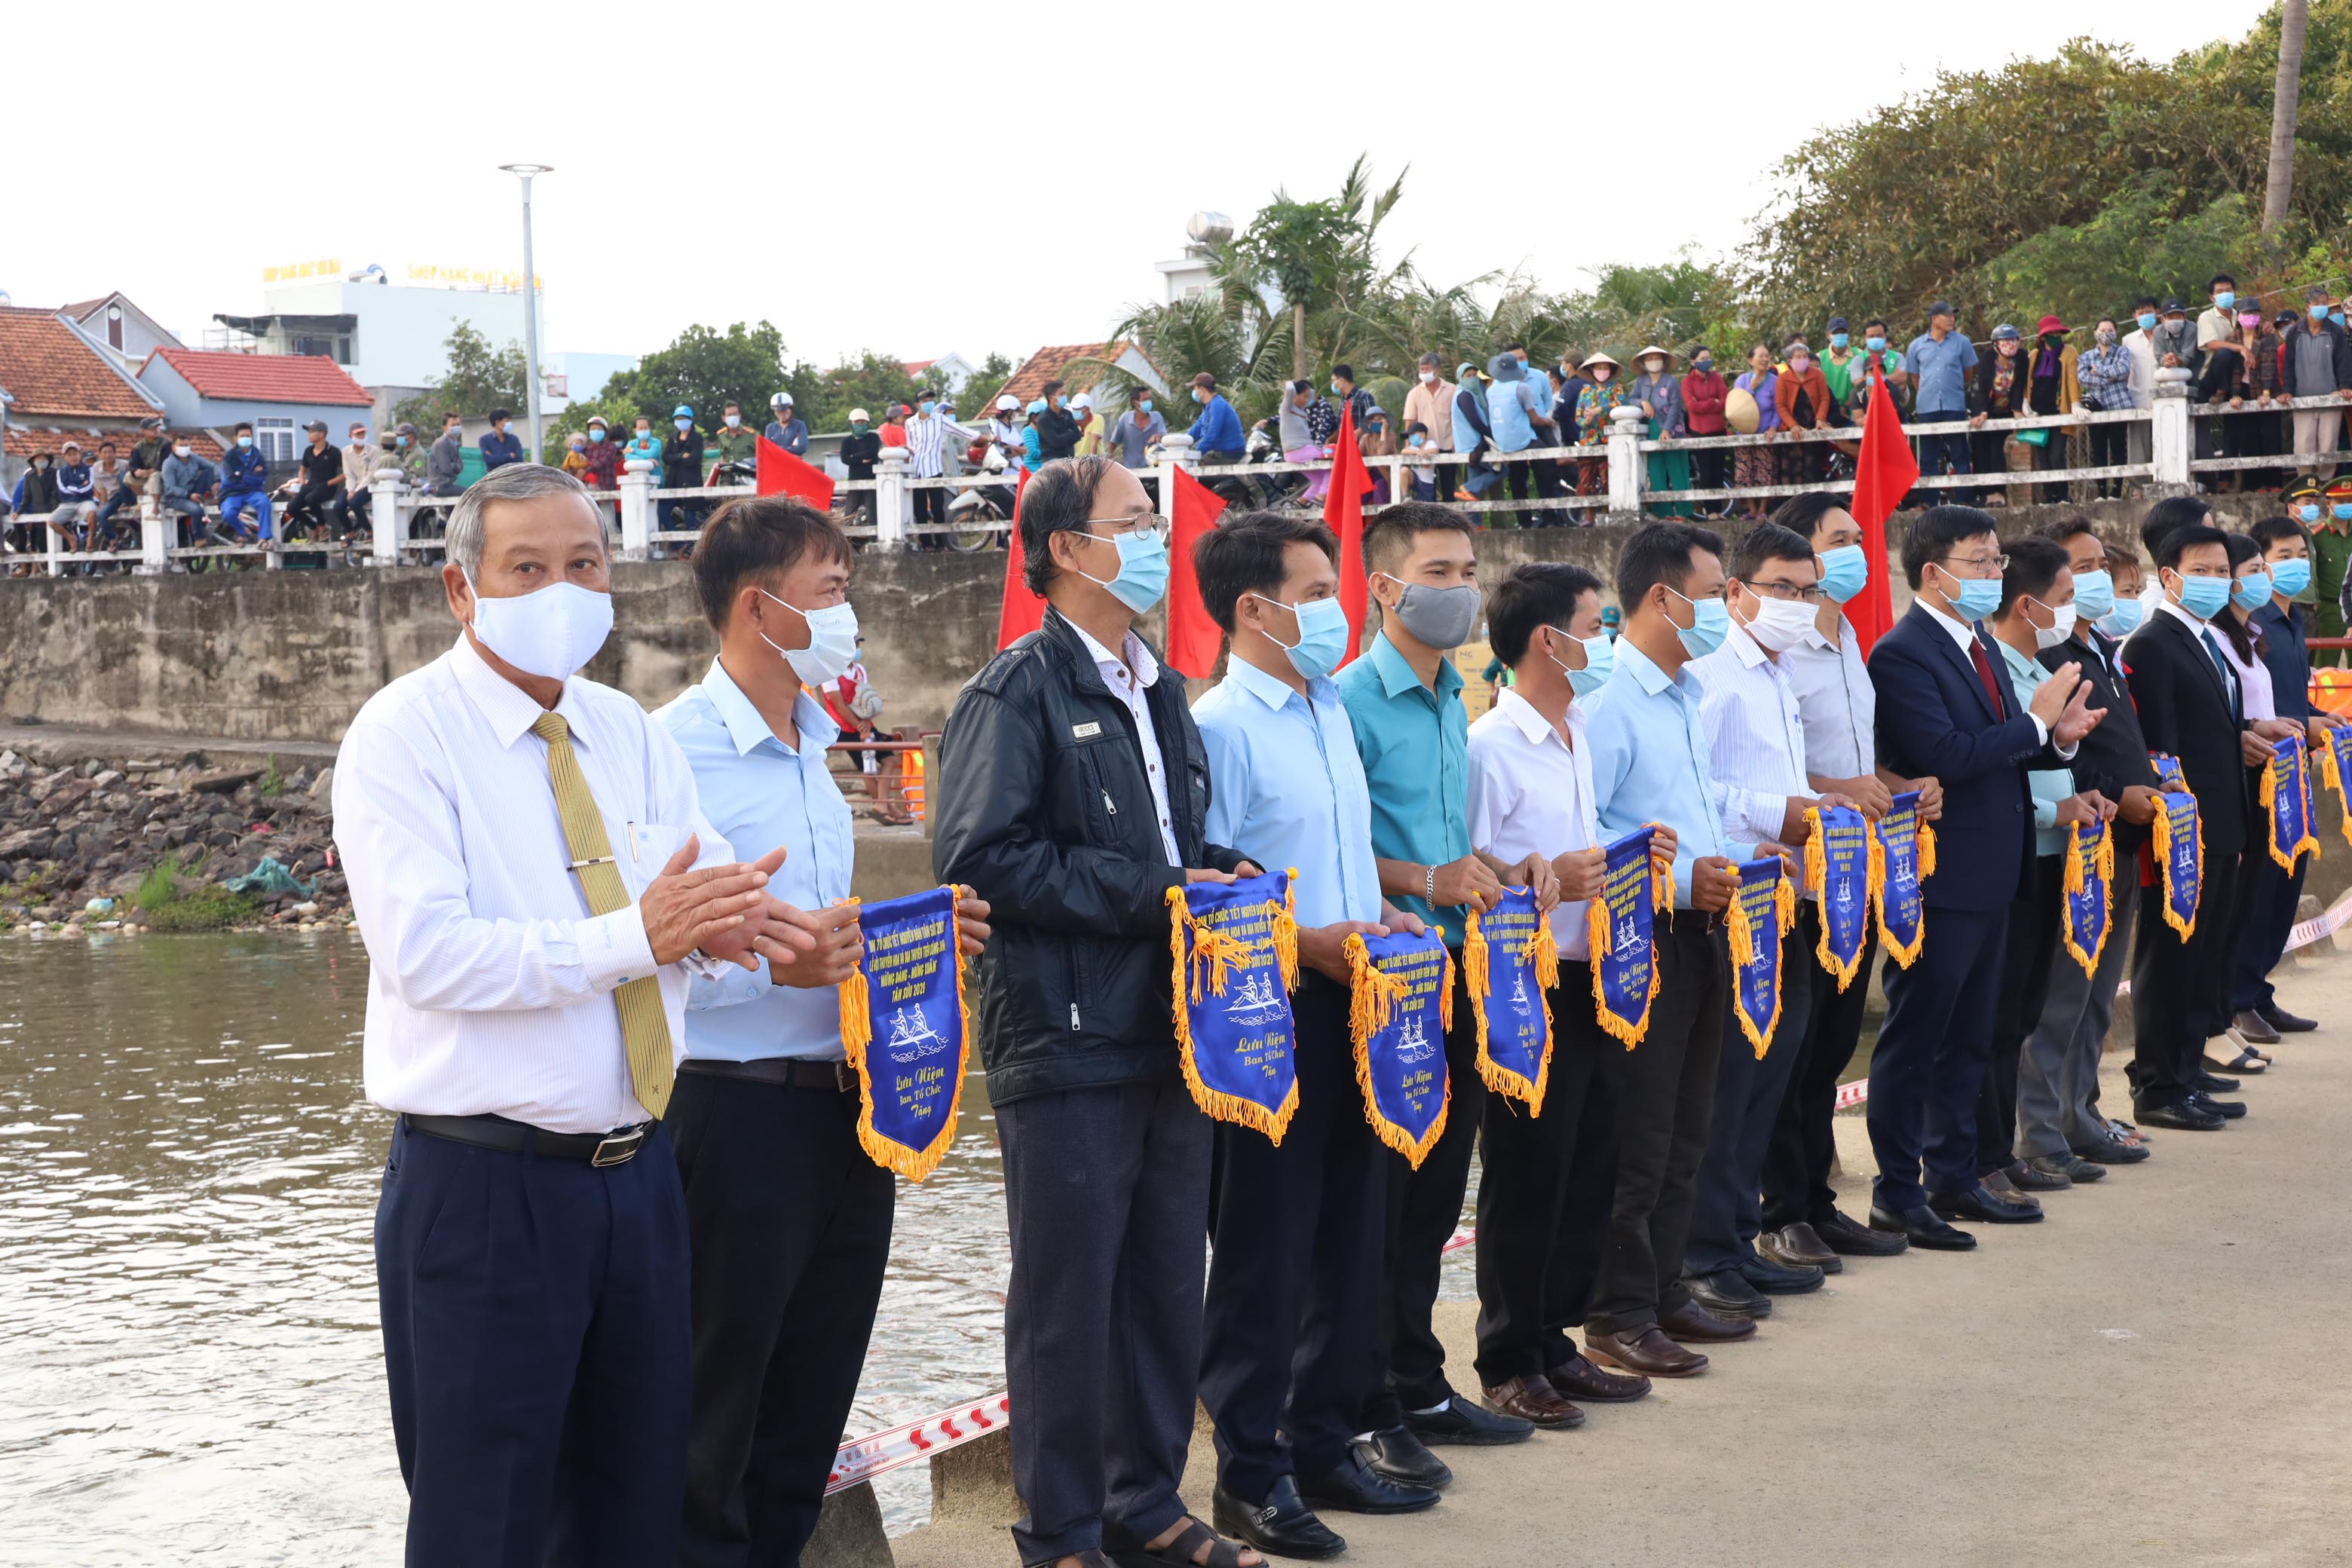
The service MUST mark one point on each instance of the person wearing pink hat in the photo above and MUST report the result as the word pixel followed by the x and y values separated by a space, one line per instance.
pixel 2051 388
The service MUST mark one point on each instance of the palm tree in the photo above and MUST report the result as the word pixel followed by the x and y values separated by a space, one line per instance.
pixel 2284 100
pixel 1318 255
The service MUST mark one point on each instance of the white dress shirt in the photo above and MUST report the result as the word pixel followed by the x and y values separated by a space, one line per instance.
pixel 2233 672
pixel 1755 734
pixel 1837 702
pixel 1128 679
pixel 1965 635
pixel 489 981
pixel 1532 794
pixel 2257 696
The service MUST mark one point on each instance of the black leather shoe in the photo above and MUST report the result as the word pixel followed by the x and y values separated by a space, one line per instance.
pixel 1459 1421
pixel 2112 1152
pixel 2186 1116
pixel 1798 1246
pixel 1922 1227
pixel 1728 1295
pixel 1848 1238
pixel 2211 1082
pixel 1580 1379
pixel 2031 1177
pixel 1357 1488
pixel 2284 1021
pixel 2228 1109
pixel 1396 1453
pixel 1780 1278
pixel 2075 1170
pixel 1980 1203
pixel 2253 1028
pixel 1282 1526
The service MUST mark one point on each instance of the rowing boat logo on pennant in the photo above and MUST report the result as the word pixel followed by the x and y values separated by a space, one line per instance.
pixel 1510 961
pixel 2335 767
pixel 2179 844
pixel 1236 949
pixel 1903 854
pixel 2089 881
pixel 1763 908
pixel 904 1025
pixel 1401 1004
pixel 1621 926
pixel 2286 793
pixel 1838 867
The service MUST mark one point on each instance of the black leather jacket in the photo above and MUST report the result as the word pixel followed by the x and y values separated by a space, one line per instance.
pixel 1044 809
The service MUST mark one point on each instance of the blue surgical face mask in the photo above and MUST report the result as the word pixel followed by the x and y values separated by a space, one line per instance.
pixel 2336 314
pixel 2251 592
pixel 2320 312
pixel 1845 572
pixel 2123 620
pixel 1322 634
pixel 1143 574
pixel 244 440
pixel 683 424
pixel 2147 320
pixel 2224 300
pixel 1838 341
pixel 403 440
pixel 927 407
pixel 1703 364
pixel 2204 597
pixel 1144 407
pixel 595 433
pixel 1874 343
pixel 2289 578
pixel 2307 511
pixel 1600 664
pixel 2094 594
pixel 2343 511
pixel 1975 598
pixel 1710 624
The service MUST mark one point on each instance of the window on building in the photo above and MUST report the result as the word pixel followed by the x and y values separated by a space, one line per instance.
pixel 274 439
pixel 336 346
pixel 1191 292
pixel 114 326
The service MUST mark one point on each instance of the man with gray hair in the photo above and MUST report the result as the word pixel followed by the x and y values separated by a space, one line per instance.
pixel 536 883
pixel 2317 363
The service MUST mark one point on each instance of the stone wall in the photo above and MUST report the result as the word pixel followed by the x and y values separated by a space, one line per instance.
pixel 290 656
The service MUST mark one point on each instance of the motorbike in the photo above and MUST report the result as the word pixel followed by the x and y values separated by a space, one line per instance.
pixel 974 510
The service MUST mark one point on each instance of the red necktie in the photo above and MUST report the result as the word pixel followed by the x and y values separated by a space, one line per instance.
pixel 1984 673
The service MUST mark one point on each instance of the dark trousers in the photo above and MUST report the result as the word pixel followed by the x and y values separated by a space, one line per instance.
pixel 1521 480
pixel 930 510
pixel 1289 1347
pixel 1108 1193
pixel 1929 1066
pixel 312 507
pixel 1938 453
pixel 1546 1186
pixel 1711 470
pixel 2110 448
pixel 1805 1142
pixel 536 1344
pixel 2267 900
pixel 1663 1122
pixel 2033 946
pixel 1728 1213
pixel 791 1229
pixel 2179 989
pixel 1424 1209
pixel 2054 453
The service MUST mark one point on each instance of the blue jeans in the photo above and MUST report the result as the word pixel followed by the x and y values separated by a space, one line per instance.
pixel 1937 452
pixel 257 501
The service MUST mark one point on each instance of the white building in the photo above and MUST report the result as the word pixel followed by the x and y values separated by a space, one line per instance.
pixel 1187 277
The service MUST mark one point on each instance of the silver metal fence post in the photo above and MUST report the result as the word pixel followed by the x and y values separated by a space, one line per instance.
pixel 2170 446
pixel 636 509
pixel 1625 427
pixel 891 498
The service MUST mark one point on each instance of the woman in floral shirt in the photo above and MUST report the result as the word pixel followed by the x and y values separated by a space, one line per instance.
pixel 1602 392
pixel 2105 370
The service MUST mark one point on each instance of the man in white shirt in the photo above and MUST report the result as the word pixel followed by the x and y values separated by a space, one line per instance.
pixel 1757 737
pixel 2141 346
pixel 533 879
pixel 1547 1180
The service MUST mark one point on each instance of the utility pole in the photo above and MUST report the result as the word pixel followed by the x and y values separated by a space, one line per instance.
pixel 530 300
pixel 2285 101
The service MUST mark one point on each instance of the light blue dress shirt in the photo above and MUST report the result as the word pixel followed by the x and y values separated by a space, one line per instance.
pixel 1651 762
pixel 1415 746
pixel 2050 785
pixel 1287 789
pixel 766 793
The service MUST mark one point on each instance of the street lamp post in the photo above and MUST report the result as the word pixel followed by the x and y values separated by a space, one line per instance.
pixel 529 299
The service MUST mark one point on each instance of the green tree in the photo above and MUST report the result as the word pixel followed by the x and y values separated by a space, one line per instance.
pixel 704 368
pixel 986 383
pixel 1296 249
pixel 868 381
pixel 2133 244
pixel 476 379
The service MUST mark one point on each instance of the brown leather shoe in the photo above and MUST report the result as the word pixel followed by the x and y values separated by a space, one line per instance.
pixel 1648 1353
pixel 1534 1399
pixel 1799 1246
pixel 1694 1323
pixel 1587 1382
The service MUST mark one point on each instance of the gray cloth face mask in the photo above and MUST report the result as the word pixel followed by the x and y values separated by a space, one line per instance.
pixel 1438 617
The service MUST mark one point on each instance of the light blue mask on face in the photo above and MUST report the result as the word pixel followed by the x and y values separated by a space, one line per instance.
pixel 2203 597
pixel 1975 598
pixel 1142 577
pixel 2123 620
pixel 1322 635
pixel 1600 664
pixel 1710 624
pixel 1845 572
pixel 2094 594
pixel 2287 577
pixel 2251 592
pixel 2308 512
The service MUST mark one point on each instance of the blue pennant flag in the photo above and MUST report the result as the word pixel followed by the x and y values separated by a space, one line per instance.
pixel 2090 877
pixel 2286 791
pixel 1903 853
pixel 2335 767
pixel 1763 908
pixel 1621 926
pixel 2168 775
pixel 904 1025
pixel 1400 1005
pixel 2179 844
pixel 1236 951
pixel 1837 874
pixel 1510 961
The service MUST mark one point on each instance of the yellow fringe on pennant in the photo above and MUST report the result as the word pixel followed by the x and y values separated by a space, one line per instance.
pixel 1901 954
pixel 1599 935
pixel 1541 953
pixel 855 1001
pixel 1216 953
pixel 1285 924
pixel 2334 777
pixel 1923 837
pixel 2080 864
pixel 1743 934
pixel 2285 860
pixel 2160 845
pixel 1372 996
pixel 1476 976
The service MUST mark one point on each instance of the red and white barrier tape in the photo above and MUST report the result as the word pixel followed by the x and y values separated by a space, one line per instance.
pixel 901 1445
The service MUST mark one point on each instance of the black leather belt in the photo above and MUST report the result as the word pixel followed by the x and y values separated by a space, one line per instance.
pixel 614 1148
pixel 788 1072
pixel 1685 922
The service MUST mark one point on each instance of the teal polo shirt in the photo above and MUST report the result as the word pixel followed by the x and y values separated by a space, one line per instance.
pixel 1416 745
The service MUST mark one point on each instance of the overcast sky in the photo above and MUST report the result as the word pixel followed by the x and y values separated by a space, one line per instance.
pixel 838 211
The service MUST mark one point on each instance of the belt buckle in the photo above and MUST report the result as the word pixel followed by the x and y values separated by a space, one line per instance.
pixel 628 1144
pixel 844 1080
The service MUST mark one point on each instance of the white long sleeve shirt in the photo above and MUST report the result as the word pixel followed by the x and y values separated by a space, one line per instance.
pixel 1756 733
pixel 489 984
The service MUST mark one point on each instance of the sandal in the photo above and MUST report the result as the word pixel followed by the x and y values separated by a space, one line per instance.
pixel 1178 1553
pixel 2247 1061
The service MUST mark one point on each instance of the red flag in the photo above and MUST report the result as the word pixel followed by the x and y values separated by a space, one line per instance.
pixel 1193 638
pixel 1343 513
pixel 776 469
pixel 1884 476
pixel 1024 611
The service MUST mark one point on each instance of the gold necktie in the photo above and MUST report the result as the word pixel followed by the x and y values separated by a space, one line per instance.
pixel 645 1027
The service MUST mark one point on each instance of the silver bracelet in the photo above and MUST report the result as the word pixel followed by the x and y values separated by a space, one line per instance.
pixel 1430 891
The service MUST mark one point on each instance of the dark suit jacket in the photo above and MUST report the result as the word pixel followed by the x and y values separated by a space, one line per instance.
pixel 1935 717
pixel 2185 709
pixel 2115 755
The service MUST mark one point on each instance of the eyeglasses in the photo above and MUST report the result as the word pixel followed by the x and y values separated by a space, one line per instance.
pixel 1980 563
pixel 1138 522
pixel 1793 593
